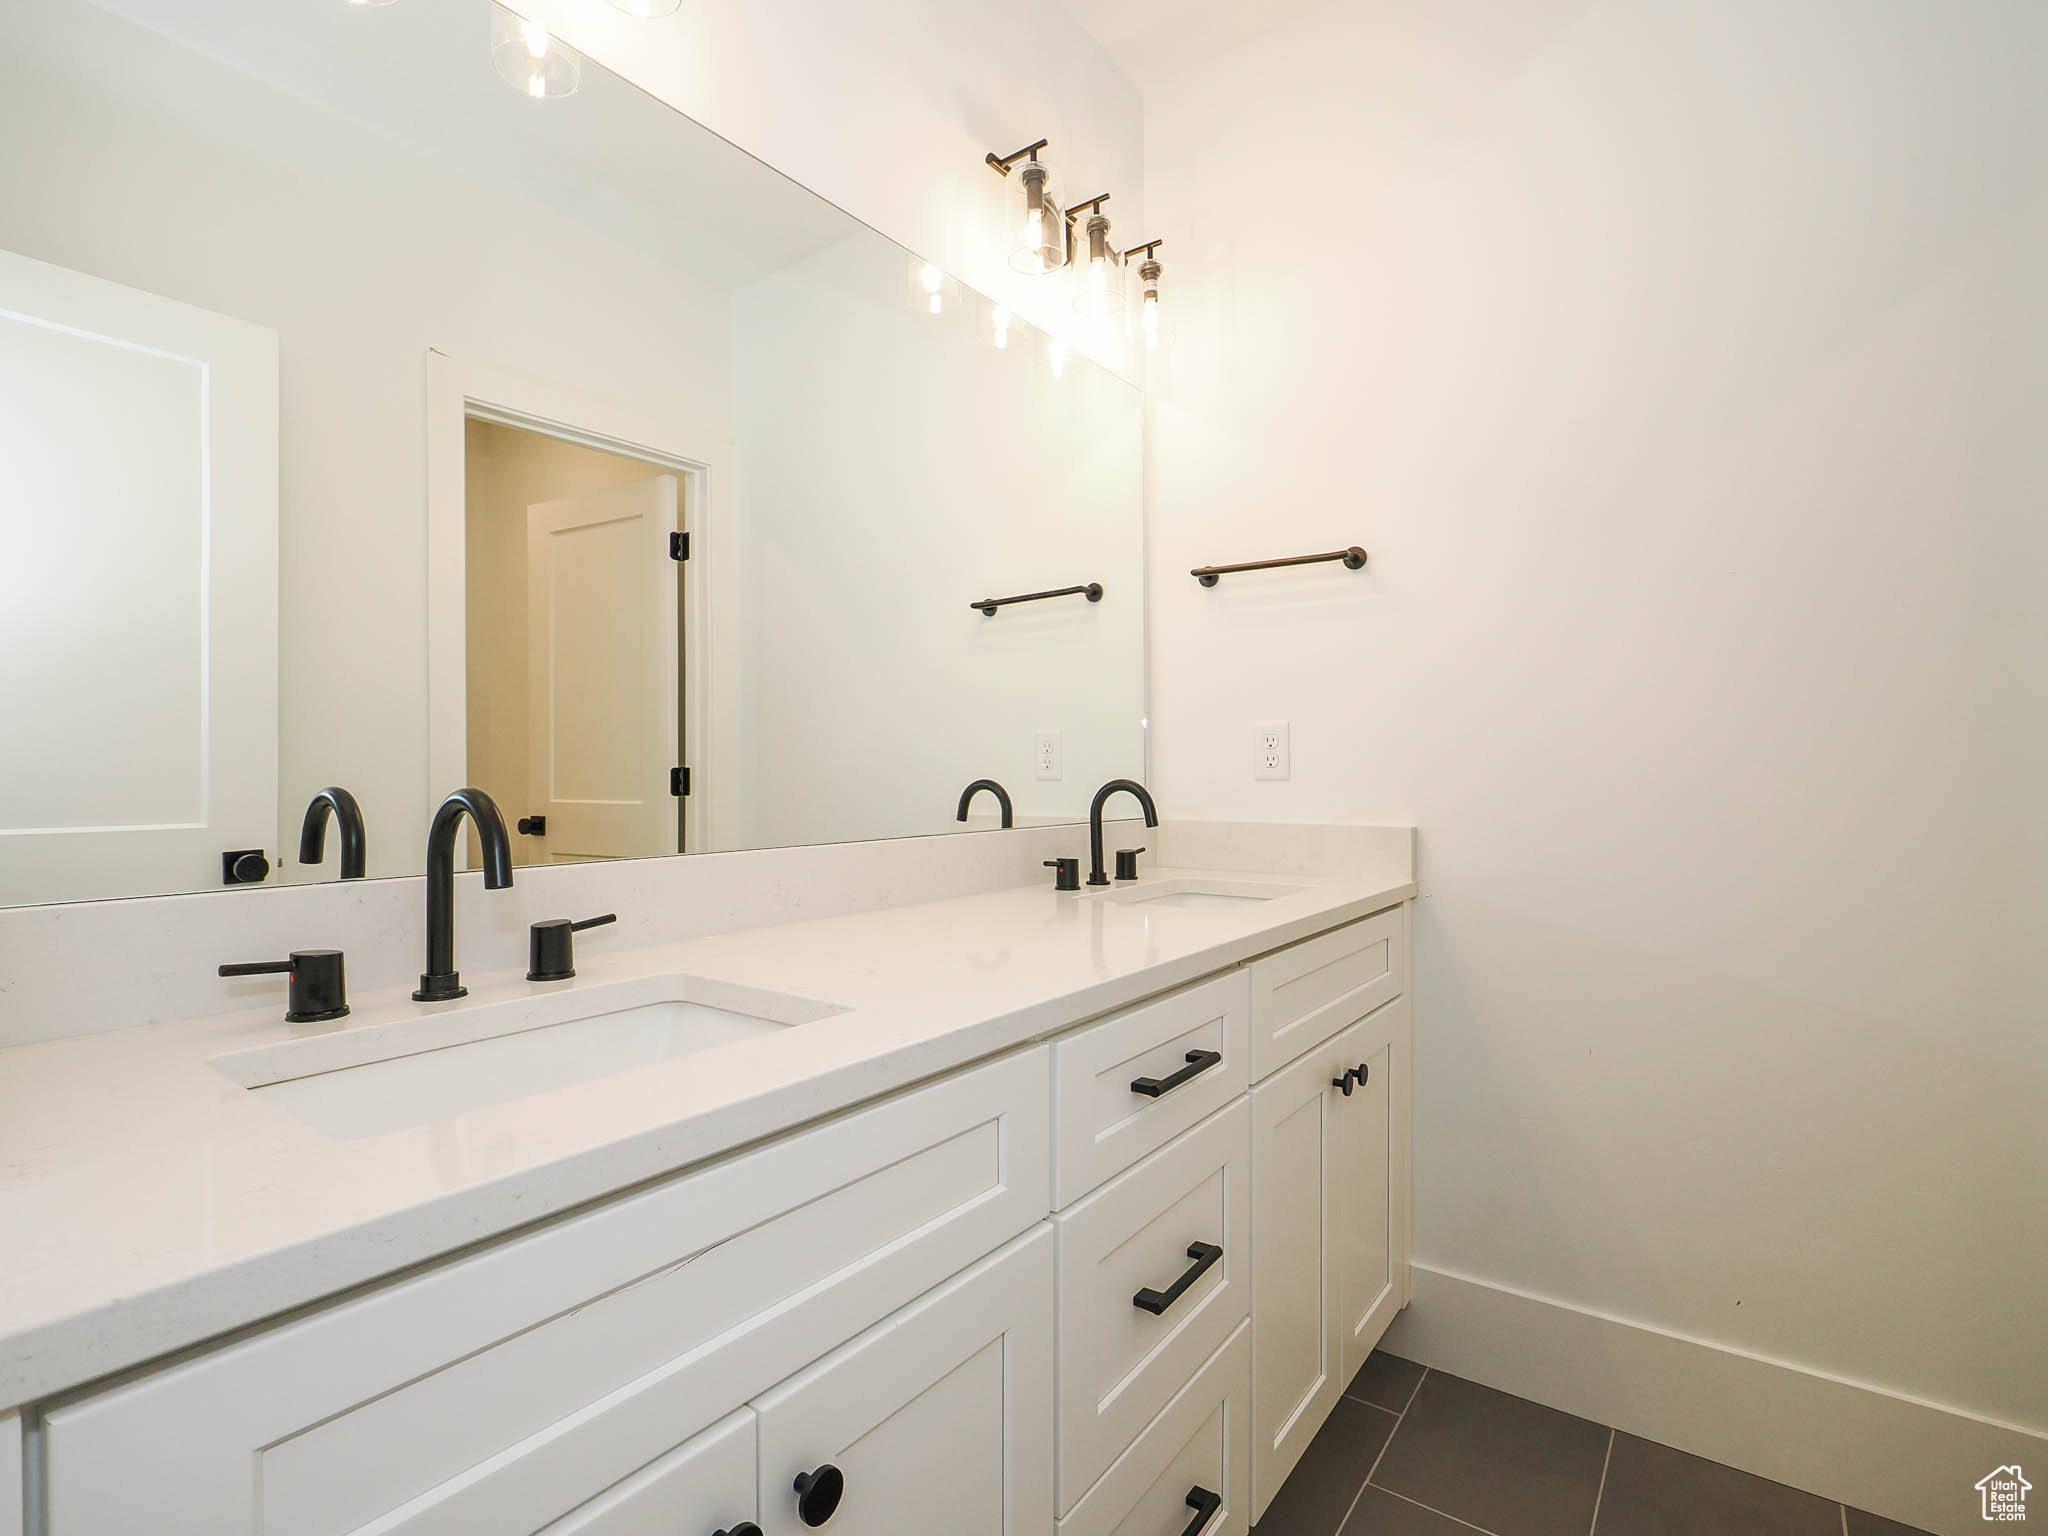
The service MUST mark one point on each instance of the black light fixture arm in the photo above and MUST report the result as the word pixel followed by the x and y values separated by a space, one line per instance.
pixel 1002 163
pixel 1207 575
pixel 988 605
pixel 1147 249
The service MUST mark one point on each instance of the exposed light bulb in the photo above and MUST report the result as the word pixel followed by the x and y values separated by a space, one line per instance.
pixel 529 57
pixel 1150 321
pixel 931 277
pixel 1059 358
pixel 1001 318
pixel 536 37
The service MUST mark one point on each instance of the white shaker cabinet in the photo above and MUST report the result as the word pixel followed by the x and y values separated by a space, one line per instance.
pixel 1324 1235
pixel 10 1474
pixel 699 1488
pixel 938 1421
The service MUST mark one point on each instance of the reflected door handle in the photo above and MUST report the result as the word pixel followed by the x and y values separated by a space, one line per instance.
pixel 1156 1302
pixel 1201 1501
pixel 1198 1063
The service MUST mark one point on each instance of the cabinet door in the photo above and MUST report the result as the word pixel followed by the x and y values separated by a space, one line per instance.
pixel 1297 1354
pixel 701 1487
pixel 1324 1259
pixel 10 1475
pixel 1361 1191
pixel 935 1422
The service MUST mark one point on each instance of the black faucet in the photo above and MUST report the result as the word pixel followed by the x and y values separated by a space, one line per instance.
pixel 1002 798
pixel 348 818
pixel 441 981
pixel 1096 876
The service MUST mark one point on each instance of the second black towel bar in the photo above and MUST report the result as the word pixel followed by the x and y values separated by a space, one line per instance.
pixel 1208 575
pixel 988 605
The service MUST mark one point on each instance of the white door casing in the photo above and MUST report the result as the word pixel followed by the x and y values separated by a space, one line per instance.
pixel 138 599
pixel 602 665
pixel 459 388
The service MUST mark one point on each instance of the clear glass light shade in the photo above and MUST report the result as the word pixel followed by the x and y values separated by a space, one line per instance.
pixel 930 290
pixel 1101 270
pixel 1153 322
pixel 1041 230
pixel 529 59
pixel 648 7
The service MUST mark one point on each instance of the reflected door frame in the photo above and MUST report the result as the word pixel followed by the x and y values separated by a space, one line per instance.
pixel 459 389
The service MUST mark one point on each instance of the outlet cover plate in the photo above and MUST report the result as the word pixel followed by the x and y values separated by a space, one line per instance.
pixel 1272 752
pixel 1048 755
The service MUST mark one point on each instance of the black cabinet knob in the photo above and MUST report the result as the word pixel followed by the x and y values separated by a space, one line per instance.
pixel 244 866
pixel 1344 1082
pixel 744 1528
pixel 818 1494
pixel 1363 1072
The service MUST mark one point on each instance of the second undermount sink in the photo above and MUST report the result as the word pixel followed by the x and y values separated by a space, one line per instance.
pixel 1199 894
pixel 379 1078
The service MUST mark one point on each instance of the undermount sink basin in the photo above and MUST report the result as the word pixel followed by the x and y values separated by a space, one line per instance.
pixel 379 1078
pixel 1211 895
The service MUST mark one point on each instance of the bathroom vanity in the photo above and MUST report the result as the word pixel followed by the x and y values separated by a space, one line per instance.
pixel 1020 1211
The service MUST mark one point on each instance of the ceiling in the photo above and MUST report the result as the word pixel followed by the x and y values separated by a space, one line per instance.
pixel 1154 40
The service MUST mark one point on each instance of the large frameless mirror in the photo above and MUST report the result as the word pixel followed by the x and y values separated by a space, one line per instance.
pixel 375 416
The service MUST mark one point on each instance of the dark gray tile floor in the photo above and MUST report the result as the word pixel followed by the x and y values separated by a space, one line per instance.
pixel 1411 1452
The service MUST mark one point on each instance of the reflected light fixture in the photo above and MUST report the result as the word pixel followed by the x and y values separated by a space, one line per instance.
pixel 1150 324
pixel 1057 351
pixel 999 318
pixel 648 8
pixel 528 58
pixel 1042 238
pixel 1102 267
pixel 930 291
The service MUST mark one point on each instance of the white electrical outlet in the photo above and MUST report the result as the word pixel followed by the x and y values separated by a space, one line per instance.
pixel 1272 757
pixel 1048 760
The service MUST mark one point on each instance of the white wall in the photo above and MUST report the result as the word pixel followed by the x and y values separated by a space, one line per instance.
pixel 897 466
pixel 1684 368
pixel 156 168
pixel 887 108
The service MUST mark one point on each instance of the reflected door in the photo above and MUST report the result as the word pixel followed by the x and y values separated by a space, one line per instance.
pixel 138 593
pixel 603 669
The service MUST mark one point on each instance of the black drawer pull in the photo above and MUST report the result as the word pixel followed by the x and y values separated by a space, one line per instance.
pixel 1198 1063
pixel 1204 1504
pixel 1156 1302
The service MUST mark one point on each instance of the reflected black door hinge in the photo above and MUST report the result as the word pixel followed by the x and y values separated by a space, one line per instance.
pixel 679 546
pixel 679 782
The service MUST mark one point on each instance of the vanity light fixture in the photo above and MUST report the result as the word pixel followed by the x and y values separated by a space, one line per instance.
pixel 1149 317
pixel 527 57
pixel 648 8
pixel 1102 267
pixel 1042 243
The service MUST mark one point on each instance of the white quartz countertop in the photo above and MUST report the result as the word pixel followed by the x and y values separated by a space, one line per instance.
pixel 148 1202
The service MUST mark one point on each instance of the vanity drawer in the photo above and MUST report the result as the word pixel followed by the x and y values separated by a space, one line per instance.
pixel 540 1371
pixel 1149 1231
pixel 1199 1445
pixel 1304 994
pixel 1197 1036
pixel 704 1486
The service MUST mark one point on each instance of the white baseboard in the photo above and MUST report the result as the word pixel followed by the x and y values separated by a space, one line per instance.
pixel 1873 1449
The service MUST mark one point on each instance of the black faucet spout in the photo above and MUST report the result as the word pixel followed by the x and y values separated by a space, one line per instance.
pixel 1096 874
pixel 348 823
pixel 1002 798
pixel 441 981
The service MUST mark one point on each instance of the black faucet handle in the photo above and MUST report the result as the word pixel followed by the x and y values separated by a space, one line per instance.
pixel 318 986
pixel 1066 873
pixel 1127 863
pixel 551 946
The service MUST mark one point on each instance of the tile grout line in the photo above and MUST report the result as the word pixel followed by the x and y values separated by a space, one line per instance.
pixel 1605 1462
pixel 1483 1531
pixel 1399 1418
